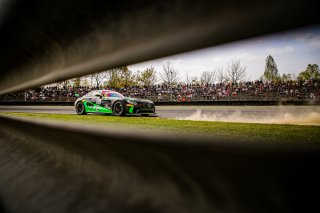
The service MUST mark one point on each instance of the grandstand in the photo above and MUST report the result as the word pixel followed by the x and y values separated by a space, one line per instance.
pixel 183 92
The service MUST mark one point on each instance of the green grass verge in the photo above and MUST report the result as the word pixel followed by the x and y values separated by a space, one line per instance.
pixel 265 133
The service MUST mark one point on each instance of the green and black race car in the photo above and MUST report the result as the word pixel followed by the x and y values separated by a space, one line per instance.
pixel 111 102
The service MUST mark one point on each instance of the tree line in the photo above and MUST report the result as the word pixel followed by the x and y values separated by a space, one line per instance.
pixel 234 72
pixel 271 73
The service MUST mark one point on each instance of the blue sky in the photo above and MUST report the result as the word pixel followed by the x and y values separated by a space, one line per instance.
pixel 292 51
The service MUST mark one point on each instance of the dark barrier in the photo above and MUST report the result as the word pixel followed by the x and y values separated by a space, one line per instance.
pixel 48 167
pixel 53 168
pixel 53 40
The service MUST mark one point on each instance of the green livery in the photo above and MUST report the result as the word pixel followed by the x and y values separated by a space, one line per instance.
pixel 93 107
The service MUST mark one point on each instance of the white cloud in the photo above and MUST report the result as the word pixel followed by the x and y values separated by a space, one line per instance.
pixel 246 57
pixel 174 62
pixel 279 50
pixel 217 60
pixel 292 53
pixel 315 42
pixel 311 39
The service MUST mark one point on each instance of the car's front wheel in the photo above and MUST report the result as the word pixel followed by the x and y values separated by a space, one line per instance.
pixel 118 108
pixel 81 110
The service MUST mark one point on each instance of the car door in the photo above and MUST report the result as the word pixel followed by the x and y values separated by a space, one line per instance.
pixel 106 101
pixel 92 96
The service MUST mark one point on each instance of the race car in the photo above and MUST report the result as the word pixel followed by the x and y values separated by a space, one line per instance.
pixel 111 102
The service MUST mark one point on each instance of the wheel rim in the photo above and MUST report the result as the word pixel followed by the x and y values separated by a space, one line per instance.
pixel 118 108
pixel 80 108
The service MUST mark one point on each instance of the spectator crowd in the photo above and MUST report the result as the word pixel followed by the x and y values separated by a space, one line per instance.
pixel 182 92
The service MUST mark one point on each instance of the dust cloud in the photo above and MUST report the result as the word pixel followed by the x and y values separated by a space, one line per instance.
pixel 268 115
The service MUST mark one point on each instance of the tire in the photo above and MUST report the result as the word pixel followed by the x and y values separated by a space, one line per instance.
pixel 80 109
pixel 118 108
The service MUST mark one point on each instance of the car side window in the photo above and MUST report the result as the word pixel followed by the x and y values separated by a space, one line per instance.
pixel 89 94
pixel 113 95
pixel 95 93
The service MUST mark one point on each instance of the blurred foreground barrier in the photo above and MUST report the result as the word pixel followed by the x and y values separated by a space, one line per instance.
pixel 43 42
pixel 48 167
pixel 52 168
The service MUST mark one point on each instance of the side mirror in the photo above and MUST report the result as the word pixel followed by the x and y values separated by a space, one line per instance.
pixel 97 95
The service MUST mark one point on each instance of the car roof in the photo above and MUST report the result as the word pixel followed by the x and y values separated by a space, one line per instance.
pixel 104 90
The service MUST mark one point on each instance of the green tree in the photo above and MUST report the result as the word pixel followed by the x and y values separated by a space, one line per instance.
pixel 121 77
pixel 311 73
pixel 127 77
pixel 271 70
pixel 114 78
pixel 76 82
pixel 147 77
pixel 287 77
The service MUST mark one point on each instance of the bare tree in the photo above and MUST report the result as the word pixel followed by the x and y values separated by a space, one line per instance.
pixel 207 77
pixel 169 75
pixel 98 78
pixel 235 71
pixel 220 75
pixel 65 83
pixel 188 79
pixel 195 82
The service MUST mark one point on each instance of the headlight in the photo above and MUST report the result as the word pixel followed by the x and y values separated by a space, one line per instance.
pixel 132 102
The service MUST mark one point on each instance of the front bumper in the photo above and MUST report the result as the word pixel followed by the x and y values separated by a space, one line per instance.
pixel 141 109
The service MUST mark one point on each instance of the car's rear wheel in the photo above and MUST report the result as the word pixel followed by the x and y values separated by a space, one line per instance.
pixel 118 108
pixel 81 110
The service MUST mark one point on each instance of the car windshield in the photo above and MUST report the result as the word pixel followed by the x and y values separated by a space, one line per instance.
pixel 113 95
